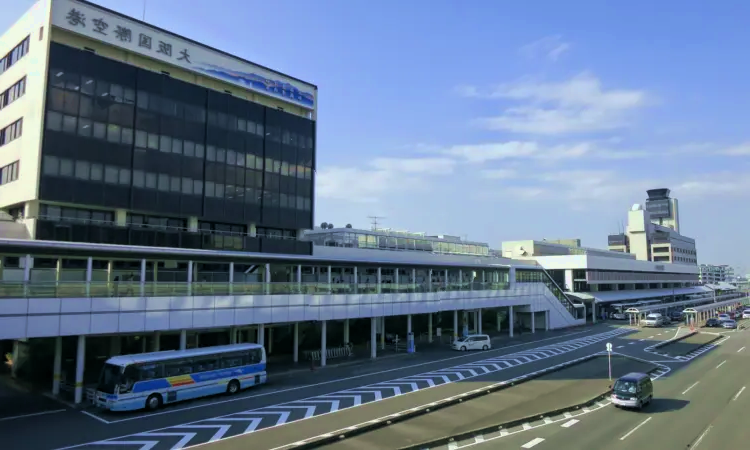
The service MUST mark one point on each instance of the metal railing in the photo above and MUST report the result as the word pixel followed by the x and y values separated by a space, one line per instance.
pixel 344 351
pixel 65 289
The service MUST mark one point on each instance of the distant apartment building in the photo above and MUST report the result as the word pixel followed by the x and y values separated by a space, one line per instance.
pixel 713 274
pixel 652 233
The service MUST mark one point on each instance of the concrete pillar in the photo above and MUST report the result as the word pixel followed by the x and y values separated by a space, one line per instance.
pixel 89 271
pixel 231 278
pixel 479 321
pixel 533 322
pixel 323 343
pixel 27 262
pixel 80 364
pixel 261 334
pixel 270 340
pixel 267 279
pixel 593 311
pixel 296 342
pixel 346 331
pixel 413 278
pixel 355 281
pixel 408 323
pixel 115 345
pixel 445 281
pixel 143 278
pixel 373 338
pixel 429 281
pixel 510 321
pixel 232 335
pixel 546 320
pixel 57 366
pixel 156 344
pixel 299 277
pixel 499 320
pixel 382 333
pixel 183 339
pixel 455 325
pixel 190 278
pixel 330 279
pixel 380 280
pixel 429 327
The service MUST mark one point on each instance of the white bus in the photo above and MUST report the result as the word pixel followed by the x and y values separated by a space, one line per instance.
pixel 150 380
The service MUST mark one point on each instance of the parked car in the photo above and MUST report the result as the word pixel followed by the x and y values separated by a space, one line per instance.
pixel 473 342
pixel 729 324
pixel 713 323
pixel 677 316
pixel 653 320
pixel 746 314
pixel 666 320
pixel 723 316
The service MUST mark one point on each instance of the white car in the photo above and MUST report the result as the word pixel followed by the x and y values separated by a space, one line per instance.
pixel 746 314
pixel 653 320
pixel 473 342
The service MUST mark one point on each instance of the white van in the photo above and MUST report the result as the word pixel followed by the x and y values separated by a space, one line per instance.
pixel 653 320
pixel 473 342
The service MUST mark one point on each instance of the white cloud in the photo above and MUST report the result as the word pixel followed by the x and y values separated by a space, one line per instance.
pixel 550 47
pixel 479 153
pixel 466 90
pixel 737 150
pixel 577 105
pixel 499 174
pixel 415 165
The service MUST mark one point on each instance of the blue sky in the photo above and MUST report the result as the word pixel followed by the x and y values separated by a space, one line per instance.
pixel 503 120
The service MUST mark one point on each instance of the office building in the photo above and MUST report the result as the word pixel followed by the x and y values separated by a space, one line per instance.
pixel 652 233
pixel 115 131
pixel 714 274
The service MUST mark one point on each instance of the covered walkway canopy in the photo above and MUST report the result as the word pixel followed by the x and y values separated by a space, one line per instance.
pixel 646 309
pixel 721 286
pixel 704 312
pixel 638 294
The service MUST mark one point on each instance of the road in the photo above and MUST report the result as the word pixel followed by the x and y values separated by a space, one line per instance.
pixel 702 405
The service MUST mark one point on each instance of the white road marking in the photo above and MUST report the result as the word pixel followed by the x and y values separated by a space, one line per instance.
pixel 631 343
pixel 743 348
pixel 634 429
pixel 570 423
pixel 4 419
pixel 738 394
pixel 94 416
pixel 532 443
pixel 692 386
pixel 721 363
pixel 620 346
pixel 700 438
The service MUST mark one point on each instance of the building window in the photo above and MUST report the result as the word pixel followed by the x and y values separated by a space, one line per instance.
pixel 9 173
pixel 85 170
pixel 14 55
pixel 68 214
pixel 11 132
pixel 163 223
pixel 13 93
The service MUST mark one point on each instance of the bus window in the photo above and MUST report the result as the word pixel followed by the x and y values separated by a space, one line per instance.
pixel 180 367
pixel 150 371
pixel 255 356
pixel 205 364
pixel 232 360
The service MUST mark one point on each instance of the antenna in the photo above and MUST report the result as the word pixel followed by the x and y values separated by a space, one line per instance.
pixel 374 221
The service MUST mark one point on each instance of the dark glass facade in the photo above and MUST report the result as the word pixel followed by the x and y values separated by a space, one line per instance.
pixel 117 136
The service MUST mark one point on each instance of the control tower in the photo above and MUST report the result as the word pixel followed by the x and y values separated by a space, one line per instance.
pixel 663 210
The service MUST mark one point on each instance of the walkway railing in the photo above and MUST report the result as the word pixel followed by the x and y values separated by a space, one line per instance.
pixel 335 352
pixel 64 289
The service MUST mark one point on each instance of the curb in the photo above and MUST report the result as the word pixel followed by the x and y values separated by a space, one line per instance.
pixel 337 436
pixel 672 341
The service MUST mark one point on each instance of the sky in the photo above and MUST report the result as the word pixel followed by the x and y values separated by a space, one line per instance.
pixel 496 120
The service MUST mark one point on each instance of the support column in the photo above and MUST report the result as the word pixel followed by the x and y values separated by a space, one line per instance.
pixel 355 284
pixel 429 281
pixel 330 279
pixel 323 343
pixel 57 366
pixel 295 356
pixel 429 327
pixel 479 321
pixel 593 311
pixel 89 271
pixel 346 331
pixel 373 338
pixel 183 339
pixel 533 322
pixel 156 345
pixel 299 278
pixel 455 325
pixel 499 320
pixel 231 278
pixel 413 280
pixel 267 279
pixel 408 324
pixel 232 335
pixel 80 364
pixel 546 320
pixel 261 334
pixel 270 340
pixel 190 279
pixel 382 333
pixel 510 321
pixel 445 281
pixel 380 280
pixel 26 274
pixel 143 278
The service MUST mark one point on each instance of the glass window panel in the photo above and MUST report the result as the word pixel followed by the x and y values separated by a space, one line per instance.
pixel 211 153
pixel 69 124
pixel 111 174
pixel 84 127
pixel 66 167
pixel 187 186
pixel 197 187
pixel 124 177
pixel 142 99
pixel 139 178
pixel 276 166
pixel 57 78
pixel 240 159
pixel 153 141
pixel 250 161
pixel 199 150
pixel 86 106
pixel 163 182
pixel 141 139
pixel 259 129
pixel 269 164
pixel 174 183
pixel 51 165
pixel 307 204
pixel 221 155
pixel 97 172
pixel 189 148
pixel 219 190
pixel 83 170
pixel 100 130
pixel 71 103
pixel 177 146
pixel 285 168
pixel 241 124
pixel 102 89
pixel 129 96
pixel 72 81
pixel 113 133
pixel 231 157
pixel 210 189
pixel 229 191
pixel 54 121
pixel 150 180
pixel 116 92
pixel 127 136
pixel 292 170
pixel 165 144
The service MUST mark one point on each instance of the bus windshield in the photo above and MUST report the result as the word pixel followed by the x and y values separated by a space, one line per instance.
pixel 109 378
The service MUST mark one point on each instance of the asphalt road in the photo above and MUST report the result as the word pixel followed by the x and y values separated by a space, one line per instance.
pixel 702 405
pixel 563 388
pixel 84 428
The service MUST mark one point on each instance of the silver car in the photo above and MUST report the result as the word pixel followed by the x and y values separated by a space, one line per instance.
pixel 730 324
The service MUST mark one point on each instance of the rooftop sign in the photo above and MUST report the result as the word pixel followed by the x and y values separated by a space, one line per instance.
pixel 95 23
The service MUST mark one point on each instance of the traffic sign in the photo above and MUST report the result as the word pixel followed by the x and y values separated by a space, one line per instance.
pixel 609 346
pixel 609 359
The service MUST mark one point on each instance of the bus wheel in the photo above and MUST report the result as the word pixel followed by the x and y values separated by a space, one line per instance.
pixel 233 387
pixel 153 402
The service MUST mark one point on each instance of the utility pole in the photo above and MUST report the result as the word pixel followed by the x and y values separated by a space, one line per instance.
pixel 374 221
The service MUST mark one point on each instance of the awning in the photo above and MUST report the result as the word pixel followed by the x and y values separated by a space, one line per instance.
pixel 637 294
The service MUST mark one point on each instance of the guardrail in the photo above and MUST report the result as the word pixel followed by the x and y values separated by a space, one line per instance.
pixel 344 351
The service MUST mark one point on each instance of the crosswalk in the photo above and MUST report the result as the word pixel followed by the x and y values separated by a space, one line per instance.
pixel 214 429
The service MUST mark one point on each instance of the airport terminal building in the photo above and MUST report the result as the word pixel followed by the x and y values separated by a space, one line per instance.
pixel 115 131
